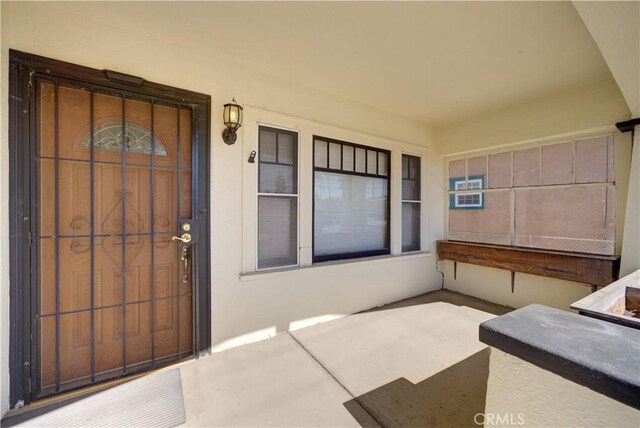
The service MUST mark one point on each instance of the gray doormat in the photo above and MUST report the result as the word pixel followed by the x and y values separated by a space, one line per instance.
pixel 151 401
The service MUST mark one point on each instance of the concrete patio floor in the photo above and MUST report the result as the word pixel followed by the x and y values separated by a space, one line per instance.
pixel 417 362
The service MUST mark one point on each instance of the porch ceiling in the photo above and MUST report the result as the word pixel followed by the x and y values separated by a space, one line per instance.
pixel 434 62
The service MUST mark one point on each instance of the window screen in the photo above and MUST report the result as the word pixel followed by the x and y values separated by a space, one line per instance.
pixel 557 197
pixel 411 204
pixel 277 198
pixel 351 200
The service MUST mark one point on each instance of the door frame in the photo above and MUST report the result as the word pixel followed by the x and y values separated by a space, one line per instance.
pixel 23 68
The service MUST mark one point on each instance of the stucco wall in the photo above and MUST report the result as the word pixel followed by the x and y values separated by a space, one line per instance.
pixel 616 29
pixel 575 113
pixel 631 241
pixel 574 109
pixel 521 394
pixel 252 307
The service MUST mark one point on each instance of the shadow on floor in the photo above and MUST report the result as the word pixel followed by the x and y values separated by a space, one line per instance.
pixel 450 398
pixel 447 296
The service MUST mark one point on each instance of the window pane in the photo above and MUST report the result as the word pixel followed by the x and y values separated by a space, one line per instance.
pixel 361 160
pixel 474 184
pixel 414 168
pixel 372 162
pixel 277 215
pixel 347 158
pixel 382 163
pixel 277 231
pixel 320 153
pixel 411 178
pixel 579 219
pixel 457 172
pixel 267 146
pixel 405 166
pixel 500 170
pixel 410 226
pixel 410 190
pixel 334 156
pixel 477 167
pixel 594 160
pixel 489 221
pixel 286 149
pixel 277 179
pixel 557 164
pixel 526 167
pixel 350 214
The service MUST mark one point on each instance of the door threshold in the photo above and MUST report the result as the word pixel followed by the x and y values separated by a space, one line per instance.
pixel 46 405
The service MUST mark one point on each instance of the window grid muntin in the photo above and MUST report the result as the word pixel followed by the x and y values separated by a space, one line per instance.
pixel 413 173
pixel 326 169
pixel 356 147
pixel 295 164
pixel 469 200
pixel 461 195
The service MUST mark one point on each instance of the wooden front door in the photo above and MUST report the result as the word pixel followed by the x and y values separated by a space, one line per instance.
pixel 116 227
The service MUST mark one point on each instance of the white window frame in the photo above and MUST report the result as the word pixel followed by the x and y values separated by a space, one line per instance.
pixel 306 129
pixel 285 195
pixel 341 171
pixel 464 185
pixel 413 201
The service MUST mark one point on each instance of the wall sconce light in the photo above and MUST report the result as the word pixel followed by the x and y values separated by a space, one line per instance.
pixel 232 117
pixel 252 157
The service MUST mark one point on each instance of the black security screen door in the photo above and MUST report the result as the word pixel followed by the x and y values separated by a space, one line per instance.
pixel 111 214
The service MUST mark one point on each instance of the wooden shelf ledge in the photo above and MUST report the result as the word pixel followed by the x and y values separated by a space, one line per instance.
pixel 590 269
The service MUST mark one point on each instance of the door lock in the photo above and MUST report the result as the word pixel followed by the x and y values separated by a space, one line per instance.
pixel 185 238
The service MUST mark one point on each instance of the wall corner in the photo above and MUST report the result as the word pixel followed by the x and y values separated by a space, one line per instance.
pixel 630 260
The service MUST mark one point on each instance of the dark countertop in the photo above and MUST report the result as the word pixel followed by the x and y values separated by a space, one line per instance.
pixel 600 355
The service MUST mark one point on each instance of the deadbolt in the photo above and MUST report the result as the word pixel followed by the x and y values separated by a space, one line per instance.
pixel 185 238
pixel 186 227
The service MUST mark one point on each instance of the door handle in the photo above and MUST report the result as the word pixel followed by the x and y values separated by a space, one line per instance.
pixel 185 238
pixel 184 256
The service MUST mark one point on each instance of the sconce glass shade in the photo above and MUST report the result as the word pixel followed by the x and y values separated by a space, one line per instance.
pixel 232 115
